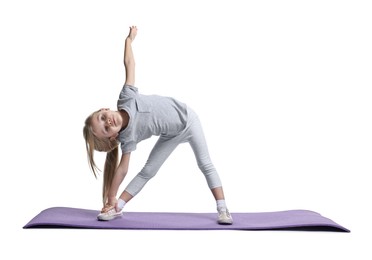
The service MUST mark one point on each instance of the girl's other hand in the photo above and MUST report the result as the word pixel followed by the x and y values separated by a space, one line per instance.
pixel 132 32
pixel 106 208
pixel 109 205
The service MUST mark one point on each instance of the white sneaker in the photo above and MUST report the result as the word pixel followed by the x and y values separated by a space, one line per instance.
pixel 109 215
pixel 224 217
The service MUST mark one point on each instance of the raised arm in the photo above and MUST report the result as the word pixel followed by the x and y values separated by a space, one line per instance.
pixel 129 63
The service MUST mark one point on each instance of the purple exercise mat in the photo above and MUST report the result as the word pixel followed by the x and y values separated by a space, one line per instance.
pixel 65 217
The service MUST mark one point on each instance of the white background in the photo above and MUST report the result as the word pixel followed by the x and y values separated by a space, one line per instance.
pixel 283 91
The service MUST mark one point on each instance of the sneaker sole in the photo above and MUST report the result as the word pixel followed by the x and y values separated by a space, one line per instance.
pixel 225 222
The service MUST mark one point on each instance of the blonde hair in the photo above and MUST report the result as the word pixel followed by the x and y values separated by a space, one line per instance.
pixel 92 142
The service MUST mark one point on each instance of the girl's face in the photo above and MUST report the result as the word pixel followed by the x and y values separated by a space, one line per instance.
pixel 106 123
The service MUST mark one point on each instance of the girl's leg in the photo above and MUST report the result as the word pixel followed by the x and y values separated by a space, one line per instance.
pixel 125 196
pixel 218 193
pixel 161 151
pixel 200 148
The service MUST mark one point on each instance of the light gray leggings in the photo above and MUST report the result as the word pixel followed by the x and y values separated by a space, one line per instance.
pixel 193 134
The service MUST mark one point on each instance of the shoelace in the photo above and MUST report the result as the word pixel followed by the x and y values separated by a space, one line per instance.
pixel 224 212
pixel 111 212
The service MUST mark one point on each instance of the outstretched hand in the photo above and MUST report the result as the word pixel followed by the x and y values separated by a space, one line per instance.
pixel 132 32
pixel 106 208
pixel 111 203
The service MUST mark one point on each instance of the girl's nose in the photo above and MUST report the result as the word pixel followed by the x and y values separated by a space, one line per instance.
pixel 109 121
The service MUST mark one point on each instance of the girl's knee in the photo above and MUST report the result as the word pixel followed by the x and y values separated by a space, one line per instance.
pixel 147 173
pixel 207 168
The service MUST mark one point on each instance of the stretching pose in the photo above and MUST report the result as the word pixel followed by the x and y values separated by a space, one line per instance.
pixel 137 118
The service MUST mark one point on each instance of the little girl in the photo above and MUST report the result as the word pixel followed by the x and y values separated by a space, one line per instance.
pixel 139 117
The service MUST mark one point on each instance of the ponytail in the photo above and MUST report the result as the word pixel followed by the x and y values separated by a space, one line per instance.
pixel 102 145
pixel 109 172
